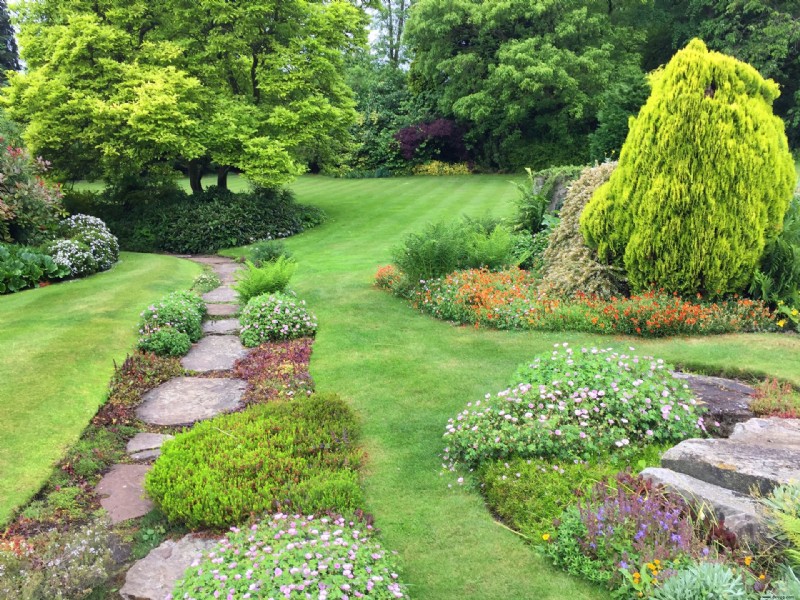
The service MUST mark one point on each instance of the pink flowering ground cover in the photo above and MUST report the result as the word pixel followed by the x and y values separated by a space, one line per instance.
pixel 295 556
pixel 276 370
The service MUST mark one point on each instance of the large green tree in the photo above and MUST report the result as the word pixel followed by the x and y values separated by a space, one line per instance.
pixel 116 86
pixel 526 76
pixel 9 55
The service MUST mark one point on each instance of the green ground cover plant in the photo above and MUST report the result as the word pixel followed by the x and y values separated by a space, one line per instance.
pixel 294 555
pixel 276 370
pixel 205 282
pixel 223 471
pixel 24 267
pixel 59 343
pixel 169 327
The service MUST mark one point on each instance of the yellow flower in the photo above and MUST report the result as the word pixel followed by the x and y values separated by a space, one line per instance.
pixel 781 323
pixel 657 562
pixel 748 560
pixel 762 577
pixel 545 536
pixel 636 577
pixel 794 312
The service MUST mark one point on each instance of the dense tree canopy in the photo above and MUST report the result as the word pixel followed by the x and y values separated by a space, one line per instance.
pixel 526 76
pixel 117 86
pixel 9 55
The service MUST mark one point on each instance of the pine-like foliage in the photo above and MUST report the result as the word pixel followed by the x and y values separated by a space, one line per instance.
pixel 9 55
pixel 703 182
pixel 570 266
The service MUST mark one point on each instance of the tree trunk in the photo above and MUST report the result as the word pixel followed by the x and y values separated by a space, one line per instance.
pixel 196 176
pixel 222 177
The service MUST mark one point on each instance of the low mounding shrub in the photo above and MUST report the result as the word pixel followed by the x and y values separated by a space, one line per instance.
pixel 577 405
pixel 73 255
pixel 512 299
pixel 197 224
pixel 273 317
pixel 94 233
pixel 205 282
pixel 268 251
pixel 295 557
pixel 166 341
pixel 58 565
pixel 700 581
pixel 298 455
pixel 22 267
pixel 568 264
pixel 163 325
pixel 269 278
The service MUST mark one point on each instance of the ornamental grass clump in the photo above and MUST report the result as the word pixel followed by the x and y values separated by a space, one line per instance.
pixel 577 405
pixel 295 556
pixel 274 317
pixel 300 455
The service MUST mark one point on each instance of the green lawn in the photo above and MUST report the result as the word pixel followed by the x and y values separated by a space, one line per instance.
pixel 57 347
pixel 406 374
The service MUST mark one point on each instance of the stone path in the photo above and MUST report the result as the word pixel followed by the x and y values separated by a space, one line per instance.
pixel 180 401
pixel 726 474
pixel 727 400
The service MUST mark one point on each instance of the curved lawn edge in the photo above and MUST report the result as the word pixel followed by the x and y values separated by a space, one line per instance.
pixel 58 345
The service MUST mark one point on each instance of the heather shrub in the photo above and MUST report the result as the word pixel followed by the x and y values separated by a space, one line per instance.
pixel 577 405
pixel 283 456
pixel 74 255
pixel 701 581
pixel 568 264
pixel 683 211
pixel 161 324
pixel 269 278
pixel 165 341
pixel 22 267
pixel 288 556
pixel 276 370
pixel 58 565
pixel 272 317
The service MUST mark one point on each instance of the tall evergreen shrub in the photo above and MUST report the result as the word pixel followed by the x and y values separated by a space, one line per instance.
pixel 704 179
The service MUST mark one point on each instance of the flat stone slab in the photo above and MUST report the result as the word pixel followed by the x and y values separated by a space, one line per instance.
pixel 154 577
pixel 735 465
pixel 186 400
pixel 222 310
pixel 214 353
pixel 208 259
pixel 741 513
pixel 727 400
pixel 146 455
pixel 221 327
pixel 122 492
pixel 771 431
pixel 221 294
pixel 146 441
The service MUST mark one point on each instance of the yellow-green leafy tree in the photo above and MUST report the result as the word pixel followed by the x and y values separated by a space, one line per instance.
pixel 704 179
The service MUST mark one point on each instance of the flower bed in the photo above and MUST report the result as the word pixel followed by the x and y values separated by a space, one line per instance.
pixel 514 299
pixel 276 370
pixel 295 557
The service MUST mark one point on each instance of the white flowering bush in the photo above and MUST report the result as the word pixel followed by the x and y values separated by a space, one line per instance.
pixel 167 326
pixel 79 223
pixel 577 405
pixel 295 557
pixel 73 255
pixel 274 317
pixel 95 234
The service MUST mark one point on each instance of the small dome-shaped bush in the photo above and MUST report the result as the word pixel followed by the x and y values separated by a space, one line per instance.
pixel 274 317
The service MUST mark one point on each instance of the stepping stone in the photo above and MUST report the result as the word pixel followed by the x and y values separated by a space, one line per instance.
pixel 735 465
pixel 221 294
pixel 226 272
pixel 727 400
pixel 208 259
pixel 154 577
pixel 214 353
pixel 741 513
pixel 221 327
pixel 222 310
pixel 768 432
pixel 145 446
pixel 122 492
pixel 186 400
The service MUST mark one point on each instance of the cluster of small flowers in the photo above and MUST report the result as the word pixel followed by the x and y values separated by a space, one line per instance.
pixel 73 255
pixel 89 247
pixel 294 557
pixel 576 405
pixel 273 317
pixel 79 223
